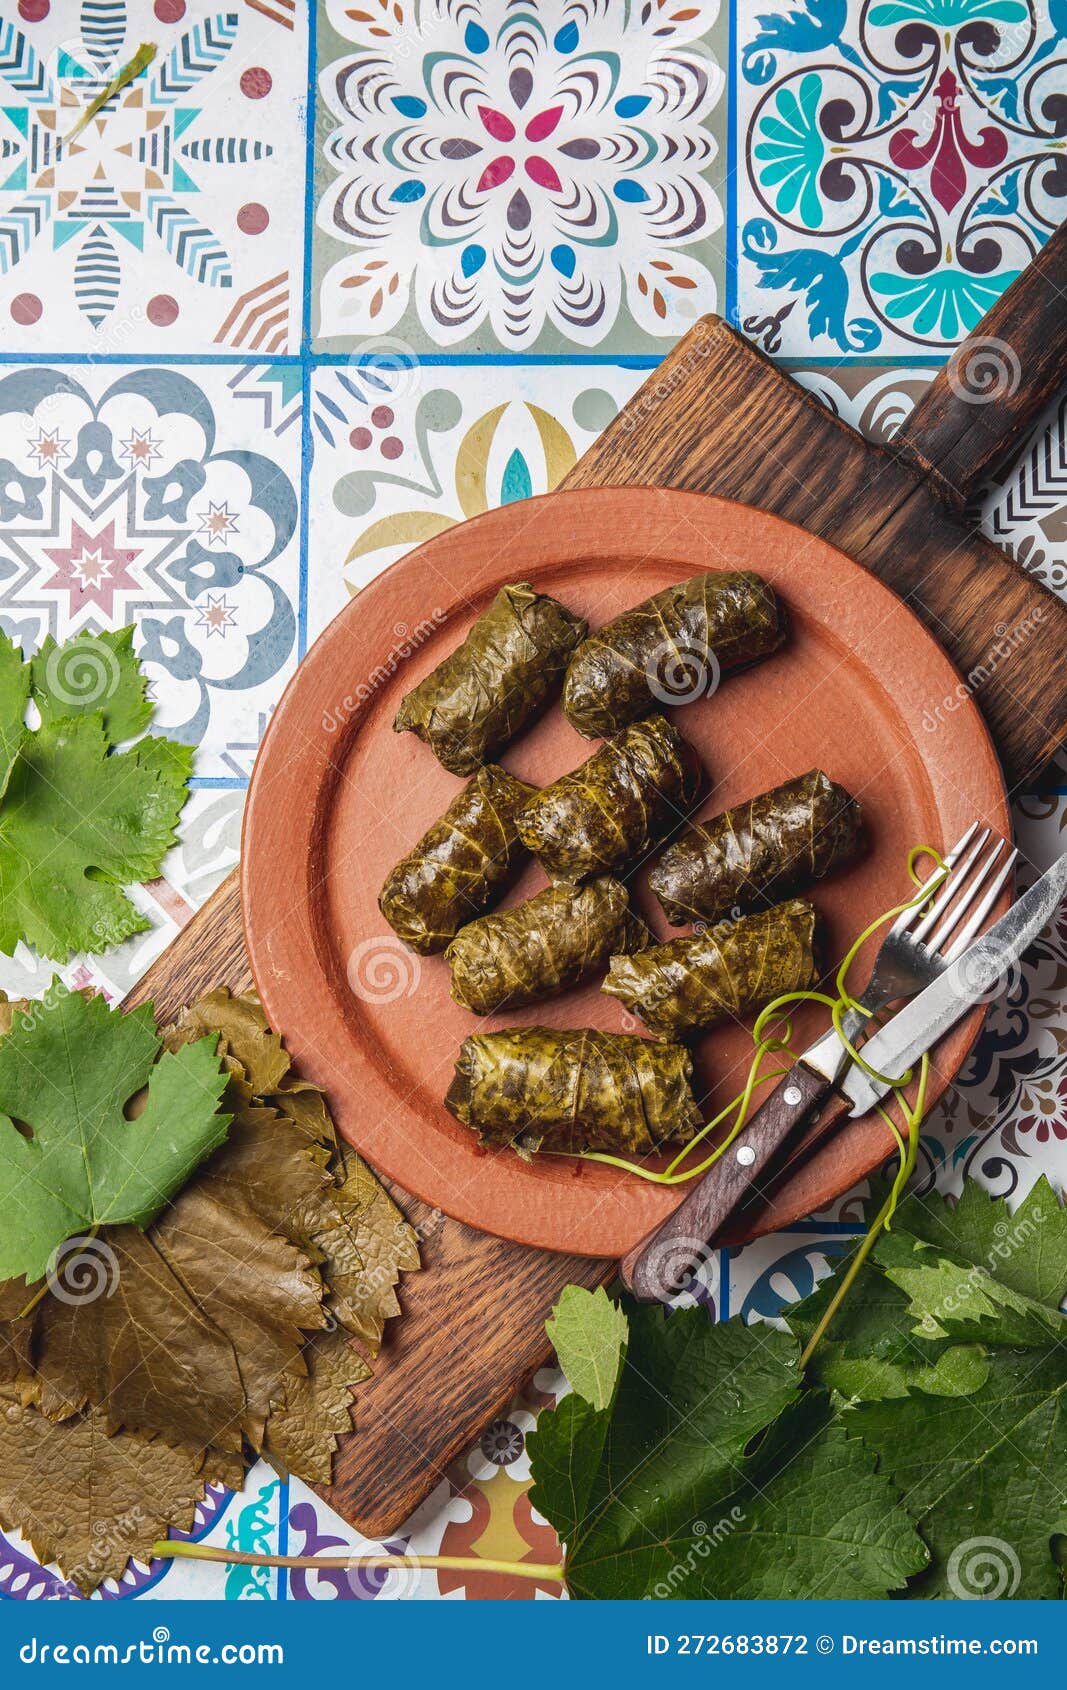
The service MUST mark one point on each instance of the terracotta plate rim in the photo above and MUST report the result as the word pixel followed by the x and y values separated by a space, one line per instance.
pixel 285 960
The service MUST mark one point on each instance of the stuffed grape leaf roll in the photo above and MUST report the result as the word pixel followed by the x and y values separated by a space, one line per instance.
pixel 542 947
pixel 671 649
pixel 727 970
pixel 753 853
pixel 607 814
pixel 573 1089
pixel 512 660
pixel 460 865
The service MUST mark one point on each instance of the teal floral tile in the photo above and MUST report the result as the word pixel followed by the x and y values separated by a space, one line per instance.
pixel 898 163
pixel 537 178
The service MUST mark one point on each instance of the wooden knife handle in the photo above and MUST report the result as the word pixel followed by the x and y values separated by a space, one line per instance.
pixel 657 1268
pixel 976 412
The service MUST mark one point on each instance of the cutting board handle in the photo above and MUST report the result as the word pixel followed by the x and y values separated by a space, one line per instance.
pixel 976 412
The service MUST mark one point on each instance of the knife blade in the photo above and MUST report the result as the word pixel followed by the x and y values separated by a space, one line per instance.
pixel 975 976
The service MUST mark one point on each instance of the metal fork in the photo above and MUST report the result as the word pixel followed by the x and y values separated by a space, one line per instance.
pixel 916 948
pixel 921 943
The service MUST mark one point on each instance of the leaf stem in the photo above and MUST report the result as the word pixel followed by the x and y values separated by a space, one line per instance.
pixel 46 1284
pixel 170 1549
pixel 143 57
pixel 853 1269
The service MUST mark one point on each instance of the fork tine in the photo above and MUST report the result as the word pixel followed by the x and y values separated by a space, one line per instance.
pixel 906 917
pixel 949 890
pixel 977 920
pixel 971 887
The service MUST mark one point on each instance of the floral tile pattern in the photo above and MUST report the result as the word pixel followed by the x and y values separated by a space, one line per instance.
pixel 139 495
pixel 430 448
pixel 517 178
pixel 164 226
pixel 899 163
pixel 514 211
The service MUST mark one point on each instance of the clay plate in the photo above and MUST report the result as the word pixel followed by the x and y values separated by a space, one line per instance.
pixel 860 690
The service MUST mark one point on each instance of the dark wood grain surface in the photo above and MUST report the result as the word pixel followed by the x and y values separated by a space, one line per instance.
pixel 716 417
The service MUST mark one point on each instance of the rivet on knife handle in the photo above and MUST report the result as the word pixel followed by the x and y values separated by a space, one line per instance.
pixel 657 1268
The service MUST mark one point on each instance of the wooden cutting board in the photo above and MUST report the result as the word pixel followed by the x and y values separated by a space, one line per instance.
pixel 717 417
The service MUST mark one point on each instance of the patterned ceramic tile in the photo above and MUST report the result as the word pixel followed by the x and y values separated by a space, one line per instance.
pixel 425 448
pixel 898 164
pixel 781 1269
pixel 490 179
pixel 540 177
pixel 147 495
pixel 167 224
pixel 1026 512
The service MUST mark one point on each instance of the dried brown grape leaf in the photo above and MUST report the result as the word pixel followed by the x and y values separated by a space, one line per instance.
pixel 89 1499
pixel 305 1106
pixel 142 1352
pixel 9 1008
pixel 244 1037
pixel 14 1330
pixel 270 1166
pixel 250 1282
pixel 348 1223
pixel 304 1429
pixel 366 1244
pixel 206 1330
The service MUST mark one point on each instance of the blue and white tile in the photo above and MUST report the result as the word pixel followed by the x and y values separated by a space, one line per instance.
pixel 168 498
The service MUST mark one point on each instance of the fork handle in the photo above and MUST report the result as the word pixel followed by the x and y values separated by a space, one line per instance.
pixel 654 1270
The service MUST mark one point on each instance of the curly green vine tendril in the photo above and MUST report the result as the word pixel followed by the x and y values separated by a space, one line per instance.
pixel 772 1034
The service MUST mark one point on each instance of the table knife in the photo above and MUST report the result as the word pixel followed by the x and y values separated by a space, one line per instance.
pixel 651 1269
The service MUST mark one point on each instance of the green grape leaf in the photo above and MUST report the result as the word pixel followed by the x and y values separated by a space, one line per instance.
pixel 78 824
pixel 78 819
pixel 1025 1249
pixel 873 1347
pixel 952 1299
pixel 68 1067
pixel 982 1475
pixel 93 672
pixel 707 1477
pixel 14 696
pixel 588 1333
